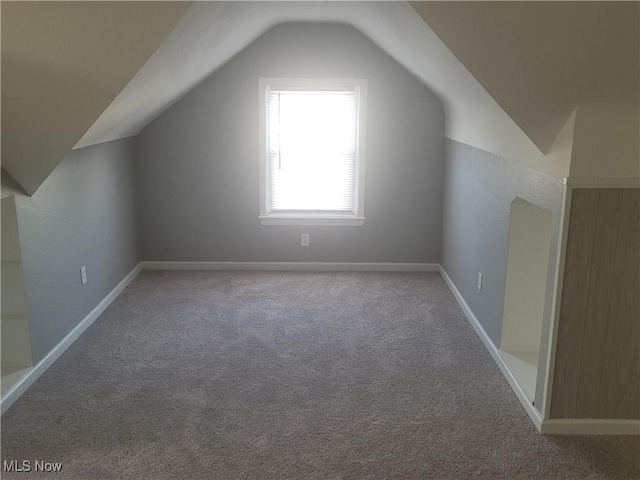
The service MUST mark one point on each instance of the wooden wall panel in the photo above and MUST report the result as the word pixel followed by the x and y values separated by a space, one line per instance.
pixel 593 346
pixel 637 412
pixel 621 368
pixel 597 370
pixel 573 309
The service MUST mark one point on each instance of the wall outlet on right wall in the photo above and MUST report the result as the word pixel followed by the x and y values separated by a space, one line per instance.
pixel 479 281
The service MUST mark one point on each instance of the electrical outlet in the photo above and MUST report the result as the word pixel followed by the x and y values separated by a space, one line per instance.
pixel 83 274
pixel 304 239
pixel 479 281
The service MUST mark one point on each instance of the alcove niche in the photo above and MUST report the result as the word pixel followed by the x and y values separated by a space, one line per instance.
pixel 530 229
pixel 15 356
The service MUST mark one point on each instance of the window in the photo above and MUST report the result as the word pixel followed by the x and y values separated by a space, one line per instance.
pixel 312 151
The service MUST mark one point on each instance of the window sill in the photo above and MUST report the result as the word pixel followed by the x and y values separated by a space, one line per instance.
pixel 315 220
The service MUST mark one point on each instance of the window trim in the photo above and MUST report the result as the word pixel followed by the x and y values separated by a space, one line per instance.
pixel 355 218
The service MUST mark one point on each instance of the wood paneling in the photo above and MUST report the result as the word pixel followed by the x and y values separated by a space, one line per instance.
pixel 573 309
pixel 593 346
pixel 621 368
pixel 597 370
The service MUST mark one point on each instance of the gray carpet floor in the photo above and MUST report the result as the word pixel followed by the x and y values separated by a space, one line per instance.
pixel 199 375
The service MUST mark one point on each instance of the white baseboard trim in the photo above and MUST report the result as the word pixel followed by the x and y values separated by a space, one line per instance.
pixel 294 266
pixel 534 415
pixel 551 427
pixel 25 382
pixel 596 426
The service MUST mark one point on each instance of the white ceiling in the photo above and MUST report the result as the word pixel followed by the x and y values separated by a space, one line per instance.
pixel 541 60
pixel 213 32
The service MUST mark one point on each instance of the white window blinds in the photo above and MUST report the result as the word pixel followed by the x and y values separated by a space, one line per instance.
pixel 312 150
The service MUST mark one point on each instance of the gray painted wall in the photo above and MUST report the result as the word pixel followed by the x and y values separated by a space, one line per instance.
pixel 198 162
pixel 479 189
pixel 83 214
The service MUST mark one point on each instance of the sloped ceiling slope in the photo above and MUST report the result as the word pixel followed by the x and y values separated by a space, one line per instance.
pixel 62 65
pixel 79 73
pixel 541 60
pixel 213 32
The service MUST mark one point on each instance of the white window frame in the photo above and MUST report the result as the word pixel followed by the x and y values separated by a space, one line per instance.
pixel 355 218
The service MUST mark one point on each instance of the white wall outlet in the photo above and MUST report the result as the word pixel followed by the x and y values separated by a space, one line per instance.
pixel 479 281
pixel 83 274
pixel 304 239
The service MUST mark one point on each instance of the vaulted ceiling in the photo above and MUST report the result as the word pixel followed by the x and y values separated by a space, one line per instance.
pixel 541 60
pixel 63 63
pixel 510 74
pixel 211 33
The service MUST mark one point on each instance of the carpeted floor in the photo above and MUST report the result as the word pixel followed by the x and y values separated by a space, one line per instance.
pixel 199 375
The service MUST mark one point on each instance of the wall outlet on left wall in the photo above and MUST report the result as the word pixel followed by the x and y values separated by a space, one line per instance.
pixel 83 274
pixel 304 239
